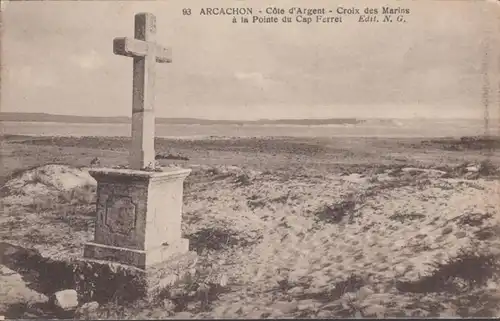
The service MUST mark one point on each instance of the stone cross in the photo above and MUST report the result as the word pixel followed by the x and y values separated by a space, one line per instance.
pixel 139 212
pixel 146 54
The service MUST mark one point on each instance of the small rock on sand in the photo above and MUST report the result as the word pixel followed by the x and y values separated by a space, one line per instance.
pixel 447 230
pixel 364 292
pixel 285 307
pixel 473 169
pixel 400 269
pixel 66 299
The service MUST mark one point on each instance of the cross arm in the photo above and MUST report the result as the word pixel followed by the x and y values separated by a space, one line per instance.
pixel 130 47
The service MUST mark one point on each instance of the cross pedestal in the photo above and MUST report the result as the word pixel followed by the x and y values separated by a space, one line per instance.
pixel 138 219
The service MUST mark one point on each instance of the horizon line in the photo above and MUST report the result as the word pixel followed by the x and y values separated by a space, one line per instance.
pixel 252 120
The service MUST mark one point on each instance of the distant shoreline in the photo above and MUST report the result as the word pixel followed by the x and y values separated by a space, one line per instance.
pixel 367 128
pixel 51 118
pixel 172 124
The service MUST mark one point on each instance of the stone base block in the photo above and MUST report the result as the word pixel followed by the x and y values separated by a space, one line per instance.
pixel 137 258
pixel 102 280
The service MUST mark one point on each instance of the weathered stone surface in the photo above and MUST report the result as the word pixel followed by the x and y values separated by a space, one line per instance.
pixel 66 300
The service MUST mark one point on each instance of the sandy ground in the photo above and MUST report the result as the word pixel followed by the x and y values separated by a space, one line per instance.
pixel 344 227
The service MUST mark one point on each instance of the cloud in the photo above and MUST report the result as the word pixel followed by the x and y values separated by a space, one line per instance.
pixel 89 60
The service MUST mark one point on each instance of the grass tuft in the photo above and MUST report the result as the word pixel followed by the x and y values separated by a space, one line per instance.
pixel 171 156
pixel 243 180
pixel 401 217
pixel 216 239
pixel 466 271
pixel 352 284
pixel 335 213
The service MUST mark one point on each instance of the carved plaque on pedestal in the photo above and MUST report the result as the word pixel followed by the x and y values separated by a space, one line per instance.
pixel 120 214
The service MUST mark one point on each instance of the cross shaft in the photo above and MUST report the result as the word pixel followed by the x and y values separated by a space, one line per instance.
pixel 145 53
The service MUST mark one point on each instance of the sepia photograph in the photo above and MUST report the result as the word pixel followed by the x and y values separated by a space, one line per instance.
pixel 240 159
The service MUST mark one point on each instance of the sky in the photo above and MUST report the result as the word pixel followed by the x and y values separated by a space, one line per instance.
pixel 57 58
